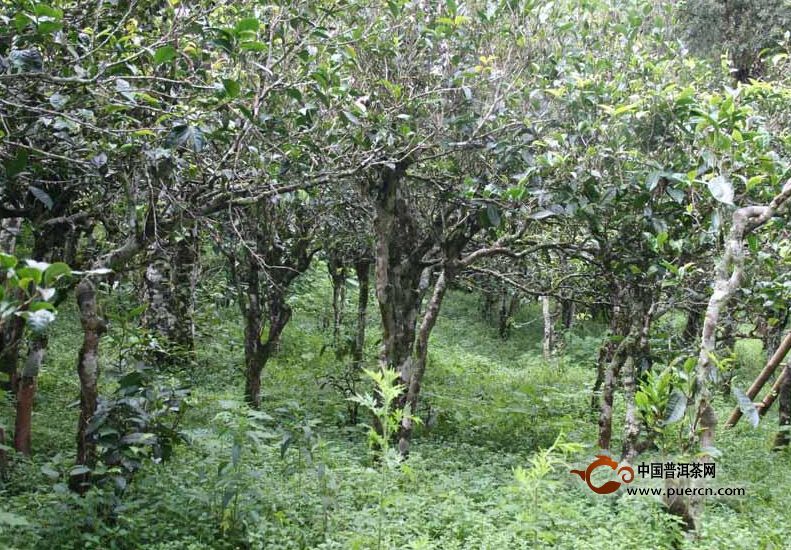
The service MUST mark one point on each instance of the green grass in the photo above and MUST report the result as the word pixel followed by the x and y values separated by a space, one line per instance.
pixel 496 404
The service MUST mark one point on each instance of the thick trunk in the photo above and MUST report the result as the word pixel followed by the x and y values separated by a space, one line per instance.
pixel 26 393
pixel 567 313
pixel 9 231
pixel 158 316
pixel 10 337
pixel 783 436
pixel 632 421
pixel 548 342
pixel 631 374
pixel 93 327
pixel 362 269
pixel 186 271
pixel 169 289
pixel 420 358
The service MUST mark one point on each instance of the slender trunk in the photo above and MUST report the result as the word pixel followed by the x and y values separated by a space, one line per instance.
pixel 729 273
pixel 421 356
pixel 253 346
pixel 608 394
pixel 548 342
pixel 771 365
pixel 93 327
pixel 693 325
pixel 26 393
pixel 764 406
pixel 279 314
pixel 3 456
pixel 337 273
pixel 784 421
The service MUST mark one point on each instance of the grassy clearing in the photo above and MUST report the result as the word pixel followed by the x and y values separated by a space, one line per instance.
pixel 494 405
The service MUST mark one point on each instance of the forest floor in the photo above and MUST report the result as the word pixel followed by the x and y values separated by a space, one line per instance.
pixel 476 478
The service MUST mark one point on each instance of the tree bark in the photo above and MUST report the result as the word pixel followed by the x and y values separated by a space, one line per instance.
pixel 567 313
pixel 729 275
pixel 186 271
pixel 783 436
pixel 421 356
pixel 764 406
pixel 548 342
pixel 776 358
pixel 362 269
pixel 170 282
pixel 253 346
pixel 9 231
pixel 26 394
pixel 88 370
pixel 337 272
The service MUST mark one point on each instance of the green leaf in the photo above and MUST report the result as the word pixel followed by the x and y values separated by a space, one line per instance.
pixel 675 408
pixel 28 272
pixel 746 405
pixel 42 196
pixel 17 164
pixel 721 189
pixel 164 54
pixel 13 520
pixel 7 261
pixel 232 87
pixel 79 470
pixel 185 135
pixel 248 24
pixel 54 272
pixel 43 10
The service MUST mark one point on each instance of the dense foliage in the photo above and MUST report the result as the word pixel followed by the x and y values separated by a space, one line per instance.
pixel 338 274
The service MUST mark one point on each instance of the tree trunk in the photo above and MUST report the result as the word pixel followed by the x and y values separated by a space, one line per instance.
pixel 567 313
pixel 186 271
pixel 548 342
pixel 362 269
pixel 693 325
pixel 772 364
pixel 337 273
pixel 170 281
pixel 26 393
pixel 10 337
pixel 279 314
pixel 93 327
pixel 420 358
pixel 784 421
pixel 9 231
pixel 729 273
pixel 158 316
pixel 253 346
